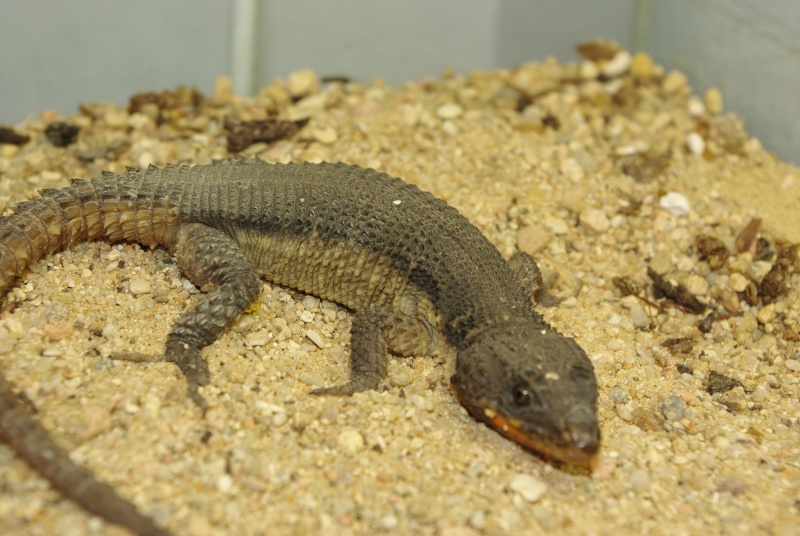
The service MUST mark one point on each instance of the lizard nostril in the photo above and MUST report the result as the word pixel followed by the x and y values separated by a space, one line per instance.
pixel 582 431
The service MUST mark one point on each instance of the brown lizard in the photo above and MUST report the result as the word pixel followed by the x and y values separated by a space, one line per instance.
pixel 408 265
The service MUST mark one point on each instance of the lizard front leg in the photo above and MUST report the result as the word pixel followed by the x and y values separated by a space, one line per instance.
pixel 375 334
pixel 213 261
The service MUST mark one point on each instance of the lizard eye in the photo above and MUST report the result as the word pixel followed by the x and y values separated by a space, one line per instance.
pixel 520 394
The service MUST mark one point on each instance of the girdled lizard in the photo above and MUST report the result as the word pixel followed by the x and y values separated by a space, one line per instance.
pixel 409 266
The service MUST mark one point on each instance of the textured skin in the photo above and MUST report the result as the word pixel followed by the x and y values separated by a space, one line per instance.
pixel 408 265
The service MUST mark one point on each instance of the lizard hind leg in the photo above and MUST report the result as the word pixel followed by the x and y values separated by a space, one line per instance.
pixel 213 261
pixel 375 334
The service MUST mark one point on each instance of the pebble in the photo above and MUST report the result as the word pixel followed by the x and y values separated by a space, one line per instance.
pixel 116 119
pixel 695 106
pixel 735 400
pixel 477 520
pixel 58 330
pixel 793 365
pixel 225 483
pixel 350 441
pixel 572 169
pixel 257 338
pixel 588 70
pixel 326 136
pixel 307 316
pixel 696 285
pixel 315 337
pixel 695 143
pixel 618 65
pixel 674 408
pixel 301 83
pixel 661 263
pixel 401 377
pixel 737 282
pixel 389 522
pixel 532 239
pixel 449 111
pixel 713 99
pixel 449 128
pixel 640 481
pixel 556 225
pixel 243 324
pixel 642 66
pixel 639 317
pixel 675 203
pixel 223 90
pixel 674 82
pixel 279 419
pixel 528 487
pixel 595 220
pixel 767 314
pixel 735 485
pixel 139 285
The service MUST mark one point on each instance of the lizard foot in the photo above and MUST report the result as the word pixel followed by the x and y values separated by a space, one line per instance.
pixel 195 370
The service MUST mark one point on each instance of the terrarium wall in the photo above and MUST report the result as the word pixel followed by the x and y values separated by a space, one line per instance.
pixel 57 54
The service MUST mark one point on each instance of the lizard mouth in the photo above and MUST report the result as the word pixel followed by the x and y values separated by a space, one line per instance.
pixel 578 443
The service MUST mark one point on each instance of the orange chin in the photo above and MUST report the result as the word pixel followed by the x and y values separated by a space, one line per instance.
pixel 510 428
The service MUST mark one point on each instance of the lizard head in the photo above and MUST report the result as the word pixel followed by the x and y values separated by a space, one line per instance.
pixel 534 386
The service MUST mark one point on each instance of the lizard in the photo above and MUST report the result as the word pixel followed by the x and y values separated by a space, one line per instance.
pixel 413 271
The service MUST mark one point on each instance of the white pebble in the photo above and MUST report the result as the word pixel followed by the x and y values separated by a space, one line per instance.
pixel 350 441
pixel 696 285
pixel 225 483
pixel 302 83
pixel 529 487
pixel 389 522
pixel 714 102
pixel 737 282
pixel 310 302
pixel 326 136
pixel 675 203
pixel 767 314
pixel 449 128
pixel 279 419
pixel 139 285
pixel 572 169
pixel 674 81
pixel 695 106
pixel 307 316
pixel 595 220
pixel 555 224
pixel 618 65
pixel 639 316
pixel 477 520
pixel 640 481
pixel 449 111
pixel 315 338
pixel 695 143
pixel 146 159
pixel 588 70
pixel 793 365
pixel 257 338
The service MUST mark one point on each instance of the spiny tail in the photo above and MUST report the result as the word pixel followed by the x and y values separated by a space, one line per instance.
pixel 112 207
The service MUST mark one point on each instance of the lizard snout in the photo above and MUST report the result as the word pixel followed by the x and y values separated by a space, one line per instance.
pixel 581 431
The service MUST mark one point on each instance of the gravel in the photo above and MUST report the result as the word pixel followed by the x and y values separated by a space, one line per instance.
pixel 573 161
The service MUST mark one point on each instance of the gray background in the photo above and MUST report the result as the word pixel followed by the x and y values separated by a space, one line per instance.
pixel 56 54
